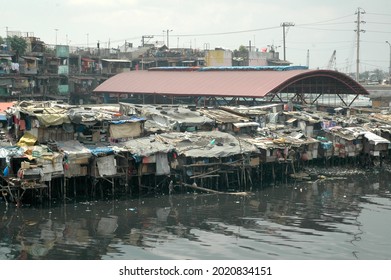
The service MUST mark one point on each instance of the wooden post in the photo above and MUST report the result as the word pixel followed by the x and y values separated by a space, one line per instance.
pixel 50 190
pixel 127 174
pixel 273 172
pixel 74 187
pixel 112 185
pixel 65 188
pixel 226 178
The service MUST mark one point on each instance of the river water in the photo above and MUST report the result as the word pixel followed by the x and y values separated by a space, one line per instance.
pixel 345 215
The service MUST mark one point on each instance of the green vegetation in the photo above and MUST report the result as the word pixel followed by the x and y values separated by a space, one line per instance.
pixel 18 45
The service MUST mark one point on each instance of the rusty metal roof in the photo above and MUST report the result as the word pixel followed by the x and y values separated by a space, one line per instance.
pixel 253 84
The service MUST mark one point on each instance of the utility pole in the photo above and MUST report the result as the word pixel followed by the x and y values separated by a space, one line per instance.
pixel 389 68
pixel 56 29
pixel 145 37
pixel 308 58
pixel 285 24
pixel 168 37
pixel 358 31
pixel 249 53
pixel 6 37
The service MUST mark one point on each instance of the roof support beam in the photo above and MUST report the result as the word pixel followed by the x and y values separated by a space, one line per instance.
pixel 343 101
pixel 350 104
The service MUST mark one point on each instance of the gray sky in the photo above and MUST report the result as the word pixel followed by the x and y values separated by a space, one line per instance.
pixel 320 26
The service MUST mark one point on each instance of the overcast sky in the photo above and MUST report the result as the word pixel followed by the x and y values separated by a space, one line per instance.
pixel 320 26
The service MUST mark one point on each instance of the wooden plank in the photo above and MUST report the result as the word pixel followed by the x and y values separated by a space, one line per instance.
pixel 194 186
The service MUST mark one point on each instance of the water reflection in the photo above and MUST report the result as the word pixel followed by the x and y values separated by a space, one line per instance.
pixel 343 217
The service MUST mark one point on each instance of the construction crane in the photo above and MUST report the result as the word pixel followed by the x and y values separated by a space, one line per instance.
pixel 332 62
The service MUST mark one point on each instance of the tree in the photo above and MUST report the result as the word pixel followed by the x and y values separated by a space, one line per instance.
pixel 1 41
pixel 18 45
pixel 241 56
pixel 242 52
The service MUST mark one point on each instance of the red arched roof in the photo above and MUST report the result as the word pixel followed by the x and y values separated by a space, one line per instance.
pixel 231 83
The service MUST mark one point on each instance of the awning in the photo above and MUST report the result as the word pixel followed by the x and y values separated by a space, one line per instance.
pixel 291 120
pixel 246 124
pixel 87 59
pixel 116 60
pixel 5 105
pixel 82 78
pixel 6 57
pixel 31 58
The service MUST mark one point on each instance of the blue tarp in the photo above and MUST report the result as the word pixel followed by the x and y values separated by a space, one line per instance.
pixel 97 151
pixel 254 68
pixel 326 145
pixel 132 119
pixel 232 68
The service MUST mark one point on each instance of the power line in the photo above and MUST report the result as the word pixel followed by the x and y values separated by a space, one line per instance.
pixel 373 42
pixel 310 26
pixel 111 41
pixel 376 22
pixel 333 23
pixel 225 33
pixel 378 14
pixel 374 60
pixel 372 65
pixel 324 42
pixel 373 31
pixel 324 29
pixel 323 49
pixel 318 22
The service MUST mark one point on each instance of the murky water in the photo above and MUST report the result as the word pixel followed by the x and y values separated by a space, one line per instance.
pixel 345 216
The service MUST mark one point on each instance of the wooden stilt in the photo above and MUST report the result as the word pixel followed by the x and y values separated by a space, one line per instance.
pixel 74 187
pixel 273 173
pixel 50 190
pixel 65 188
pixel 195 187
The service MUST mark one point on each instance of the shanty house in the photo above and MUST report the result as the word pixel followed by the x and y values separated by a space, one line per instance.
pixel 29 65
pixel 212 158
pixel 76 158
pixel 229 122
pixel 115 66
pixel 169 117
pixel 352 141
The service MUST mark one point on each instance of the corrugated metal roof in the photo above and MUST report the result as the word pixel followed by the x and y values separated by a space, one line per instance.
pixel 211 83
pixel 253 84
pixel 5 105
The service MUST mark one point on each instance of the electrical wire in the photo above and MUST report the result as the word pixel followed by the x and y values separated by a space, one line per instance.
pixel 375 22
pixel 225 33
pixel 323 21
pixel 325 29
pixel 378 14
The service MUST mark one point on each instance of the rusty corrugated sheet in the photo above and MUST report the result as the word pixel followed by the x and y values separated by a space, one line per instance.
pixel 252 84
pixel 210 83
